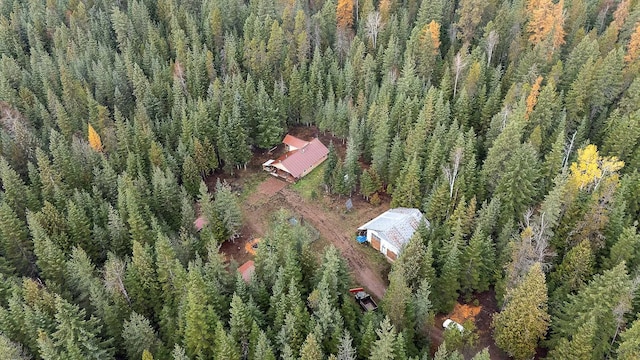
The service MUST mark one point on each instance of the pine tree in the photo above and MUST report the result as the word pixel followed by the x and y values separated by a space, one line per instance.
pixel 383 348
pixel 198 332
pixel 524 320
pixel 139 336
pixel 407 192
pixel 626 249
pixel 517 185
pixel 396 299
pixel 240 322
pixel 224 346
pixel 424 312
pixel 311 349
pixel 74 336
pixel 11 350
pixel 16 193
pixel 477 262
pixel 630 342
pixel 228 209
pixel 449 280
pixel 606 300
pixel 140 279
pixel 581 345
pixel 16 247
pixel 368 337
pixel 572 274
pixel 346 351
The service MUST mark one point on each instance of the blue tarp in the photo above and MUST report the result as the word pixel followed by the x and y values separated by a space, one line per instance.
pixel 361 239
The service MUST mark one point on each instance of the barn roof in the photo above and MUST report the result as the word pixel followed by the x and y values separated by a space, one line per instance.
pixel 396 226
pixel 297 161
pixel 294 141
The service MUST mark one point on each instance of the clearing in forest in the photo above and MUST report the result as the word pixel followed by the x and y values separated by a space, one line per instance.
pixel 327 214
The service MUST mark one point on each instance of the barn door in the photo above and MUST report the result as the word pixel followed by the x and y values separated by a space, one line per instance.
pixel 375 242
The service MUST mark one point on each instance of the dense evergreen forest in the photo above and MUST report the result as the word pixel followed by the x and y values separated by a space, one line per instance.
pixel 514 125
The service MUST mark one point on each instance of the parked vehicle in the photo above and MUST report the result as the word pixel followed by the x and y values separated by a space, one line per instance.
pixel 450 324
pixel 365 300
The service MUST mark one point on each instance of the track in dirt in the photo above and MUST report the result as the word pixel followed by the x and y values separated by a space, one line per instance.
pixel 327 224
pixel 324 215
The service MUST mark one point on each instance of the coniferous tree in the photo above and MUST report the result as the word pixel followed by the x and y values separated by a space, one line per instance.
pixel 139 336
pixel 524 320
pixel 407 190
pixel 630 343
pixel 383 348
pixel 311 349
pixel 228 209
pixel 516 187
pixel 17 250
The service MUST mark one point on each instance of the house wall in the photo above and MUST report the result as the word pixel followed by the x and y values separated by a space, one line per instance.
pixel 384 245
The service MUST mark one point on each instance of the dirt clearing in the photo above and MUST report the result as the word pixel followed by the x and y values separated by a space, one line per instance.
pixel 481 314
pixel 325 213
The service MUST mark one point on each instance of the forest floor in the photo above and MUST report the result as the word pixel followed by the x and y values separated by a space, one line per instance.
pixel 481 313
pixel 262 195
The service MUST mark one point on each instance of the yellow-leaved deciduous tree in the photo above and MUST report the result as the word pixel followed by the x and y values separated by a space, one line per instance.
pixel 545 19
pixel 434 32
pixel 386 7
pixel 633 50
pixel 532 99
pixel 344 14
pixel 591 169
pixel 94 139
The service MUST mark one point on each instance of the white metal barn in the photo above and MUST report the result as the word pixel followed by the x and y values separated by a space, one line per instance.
pixel 391 231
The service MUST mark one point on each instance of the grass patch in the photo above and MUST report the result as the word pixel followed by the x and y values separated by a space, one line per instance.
pixel 310 186
pixel 250 183
pixel 375 259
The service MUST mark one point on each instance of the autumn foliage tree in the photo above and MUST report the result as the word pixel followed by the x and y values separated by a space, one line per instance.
pixel 633 50
pixel 94 139
pixel 344 14
pixel 591 169
pixel 545 20
pixel 532 99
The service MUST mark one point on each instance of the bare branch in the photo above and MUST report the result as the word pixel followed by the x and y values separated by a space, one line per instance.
pixel 458 65
pixel 373 26
pixel 492 41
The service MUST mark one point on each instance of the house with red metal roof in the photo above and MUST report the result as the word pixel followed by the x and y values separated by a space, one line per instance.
pixel 299 159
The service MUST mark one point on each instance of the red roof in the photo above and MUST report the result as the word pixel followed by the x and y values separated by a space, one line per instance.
pixel 294 141
pixel 298 161
pixel 200 222
pixel 246 270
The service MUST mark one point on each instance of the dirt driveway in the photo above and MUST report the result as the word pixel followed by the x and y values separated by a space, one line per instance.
pixel 326 215
pixel 332 228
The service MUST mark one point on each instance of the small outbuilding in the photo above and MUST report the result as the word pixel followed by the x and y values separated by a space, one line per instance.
pixel 299 159
pixel 246 270
pixel 391 231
